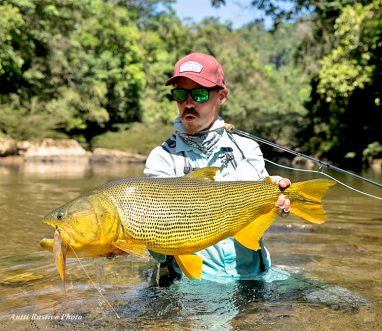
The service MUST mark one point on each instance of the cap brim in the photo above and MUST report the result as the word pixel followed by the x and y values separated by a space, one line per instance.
pixel 197 79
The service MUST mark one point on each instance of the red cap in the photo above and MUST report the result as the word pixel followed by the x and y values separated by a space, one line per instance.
pixel 202 68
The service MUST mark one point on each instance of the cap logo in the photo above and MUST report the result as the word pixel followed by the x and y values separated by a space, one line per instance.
pixel 191 66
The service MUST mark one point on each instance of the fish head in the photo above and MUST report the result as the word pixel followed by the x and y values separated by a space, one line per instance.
pixel 88 226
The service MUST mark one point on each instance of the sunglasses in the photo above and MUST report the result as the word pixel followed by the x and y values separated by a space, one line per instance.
pixel 198 94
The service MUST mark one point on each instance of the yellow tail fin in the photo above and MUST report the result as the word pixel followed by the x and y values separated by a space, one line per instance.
pixel 308 206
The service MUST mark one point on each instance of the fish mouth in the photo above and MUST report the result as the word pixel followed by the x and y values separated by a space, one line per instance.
pixel 65 230
pixel 50 222
pixel 47 244
pixel 74 247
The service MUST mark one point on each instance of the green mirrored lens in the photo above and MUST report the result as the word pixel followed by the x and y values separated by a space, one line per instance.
pixel 179 95
pixel 199 94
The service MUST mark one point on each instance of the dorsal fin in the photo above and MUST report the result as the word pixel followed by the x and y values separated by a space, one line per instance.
pixel 207 173
pixel 268 180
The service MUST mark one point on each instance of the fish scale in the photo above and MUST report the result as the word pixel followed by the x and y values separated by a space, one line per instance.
pixel 169 223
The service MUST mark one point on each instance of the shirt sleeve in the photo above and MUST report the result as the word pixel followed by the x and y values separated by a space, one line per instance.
pixel 253 165
pixel 254 156
pixel 160 163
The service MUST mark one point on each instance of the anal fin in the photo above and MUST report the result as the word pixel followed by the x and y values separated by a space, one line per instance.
pixel 191 265
pixel 252 233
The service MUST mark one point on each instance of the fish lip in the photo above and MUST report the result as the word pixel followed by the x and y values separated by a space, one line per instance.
pixel 50 222
pixel 47 244
pixel 56 224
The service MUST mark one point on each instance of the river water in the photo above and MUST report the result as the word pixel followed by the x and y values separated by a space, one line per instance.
pixel 335 274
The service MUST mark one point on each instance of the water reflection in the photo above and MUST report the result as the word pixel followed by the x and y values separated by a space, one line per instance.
pixel 336 277
pixel 71 167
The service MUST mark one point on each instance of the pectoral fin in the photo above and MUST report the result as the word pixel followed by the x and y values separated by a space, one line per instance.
pixel 191 265
pixel 131 248
pixel 252 233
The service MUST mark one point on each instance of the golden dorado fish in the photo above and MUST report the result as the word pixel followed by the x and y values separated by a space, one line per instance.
pixel 175 216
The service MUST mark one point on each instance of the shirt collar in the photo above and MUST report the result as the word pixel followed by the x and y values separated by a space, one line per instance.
pixel 224 142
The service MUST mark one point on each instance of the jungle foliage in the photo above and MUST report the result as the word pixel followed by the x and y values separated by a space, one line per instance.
pixel 94 70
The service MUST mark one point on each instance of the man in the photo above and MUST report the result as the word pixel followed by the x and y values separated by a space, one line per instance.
pixel 200 140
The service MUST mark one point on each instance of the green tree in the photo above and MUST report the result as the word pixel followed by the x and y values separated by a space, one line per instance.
pixel 11 25
pixel 346 108
pixel 81 61
pixel 164 40
pixel 342 55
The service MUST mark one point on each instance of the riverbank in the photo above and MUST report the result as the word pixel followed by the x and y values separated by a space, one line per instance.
pixel 61 150
pixel 70 151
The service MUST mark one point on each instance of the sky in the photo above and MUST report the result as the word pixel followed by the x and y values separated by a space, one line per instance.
pixel 238 12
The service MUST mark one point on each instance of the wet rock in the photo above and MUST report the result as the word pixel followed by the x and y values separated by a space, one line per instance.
pixel 104 155
pixel 7 146
pixel 376 165
pixel 291 227
pixel 337 298
pixel 54 150
pixel 57 150
pixel 301 162
pixel 23 146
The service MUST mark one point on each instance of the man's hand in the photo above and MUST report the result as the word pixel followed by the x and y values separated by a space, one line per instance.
pixel 283 203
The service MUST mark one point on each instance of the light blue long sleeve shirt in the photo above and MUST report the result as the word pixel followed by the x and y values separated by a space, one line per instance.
pixel 227 260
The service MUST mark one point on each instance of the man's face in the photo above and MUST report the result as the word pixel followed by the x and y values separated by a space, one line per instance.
pixel 198 116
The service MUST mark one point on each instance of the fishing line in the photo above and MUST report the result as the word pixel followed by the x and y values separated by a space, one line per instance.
pixel 316 161
pixel 325 174
pixel 92 282
pixel 322 164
